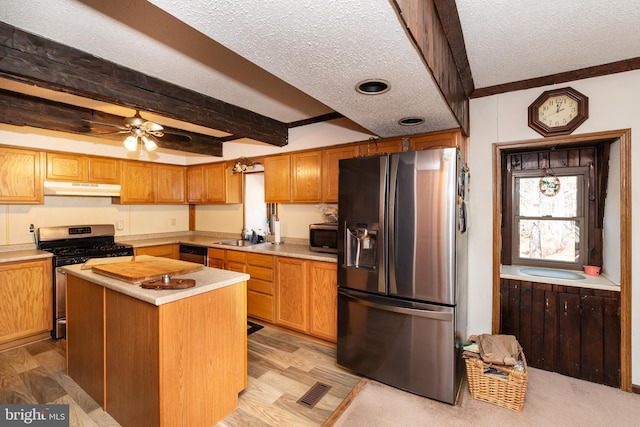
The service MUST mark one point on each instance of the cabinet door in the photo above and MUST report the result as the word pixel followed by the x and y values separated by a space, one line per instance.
pixel 21 176
pixel 381 147
pixel 568 309
pixel 25 299
pixel 171 251
pixel 306 176
pixel 67 167
pixel 330 169
pixel 104 170
pixel 137 183
pixel 292 294
pixel 170 184
pixel 437 139
pixel 277 179
pixel 323 300
pixel 214 182
pixel 260 287
pixel 195 184
pixel 236 261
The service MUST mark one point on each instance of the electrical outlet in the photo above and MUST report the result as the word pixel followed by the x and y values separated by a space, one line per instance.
pixel 31 229
pixel 120 225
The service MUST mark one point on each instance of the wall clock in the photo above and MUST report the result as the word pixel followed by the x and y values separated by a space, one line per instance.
pixel 558 112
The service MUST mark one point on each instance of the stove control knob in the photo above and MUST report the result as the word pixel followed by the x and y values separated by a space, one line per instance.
pixel 166 278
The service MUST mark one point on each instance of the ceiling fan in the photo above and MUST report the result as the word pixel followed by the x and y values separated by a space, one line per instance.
pixel 140 132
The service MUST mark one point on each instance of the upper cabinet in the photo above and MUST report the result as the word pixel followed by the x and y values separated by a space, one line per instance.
pixel 213 183
pixel 277 179
pixel 330 168
pixel 152 183
pixel 81 168
pixel 295 177
pixel 21 176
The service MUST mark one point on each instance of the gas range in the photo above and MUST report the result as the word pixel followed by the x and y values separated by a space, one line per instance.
pixel 75 245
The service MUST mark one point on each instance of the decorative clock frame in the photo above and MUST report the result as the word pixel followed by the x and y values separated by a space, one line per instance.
pixel 537 111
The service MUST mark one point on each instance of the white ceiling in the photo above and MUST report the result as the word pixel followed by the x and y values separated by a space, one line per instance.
pixel 296 59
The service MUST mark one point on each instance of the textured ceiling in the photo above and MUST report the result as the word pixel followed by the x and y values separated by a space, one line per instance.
pixel 296 59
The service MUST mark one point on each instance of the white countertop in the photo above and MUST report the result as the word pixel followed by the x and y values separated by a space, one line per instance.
pixel 284 249
pixel 592 282
pixel 207 279
pixel 23 255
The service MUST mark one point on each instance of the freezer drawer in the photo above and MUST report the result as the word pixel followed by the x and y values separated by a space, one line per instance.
pixel 404 344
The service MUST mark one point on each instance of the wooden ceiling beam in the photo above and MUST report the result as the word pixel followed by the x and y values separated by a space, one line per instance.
pixel 24 110
pixel 41 62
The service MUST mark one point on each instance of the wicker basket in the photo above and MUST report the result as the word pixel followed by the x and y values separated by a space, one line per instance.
pixel 506 392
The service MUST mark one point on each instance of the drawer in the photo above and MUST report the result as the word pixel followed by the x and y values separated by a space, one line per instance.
pixel 260 260
pixel 260 273
pixel 216 263
pixel 260 305
pixel 216 253
pixel 238 267
pixel 236 256
pixel 257 285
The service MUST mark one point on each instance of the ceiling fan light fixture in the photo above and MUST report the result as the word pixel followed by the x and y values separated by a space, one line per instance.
pixel 411 121
pixel 373 87
pixel 131 143
pixel 150 142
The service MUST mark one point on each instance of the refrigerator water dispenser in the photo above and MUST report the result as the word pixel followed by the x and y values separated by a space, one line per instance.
pixel 361 247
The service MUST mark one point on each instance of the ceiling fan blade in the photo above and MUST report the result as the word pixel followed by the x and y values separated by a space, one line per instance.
pixel 111 125
pixel 116 132
pixel 152 127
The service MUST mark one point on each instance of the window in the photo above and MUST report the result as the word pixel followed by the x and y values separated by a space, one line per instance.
pixel 550 229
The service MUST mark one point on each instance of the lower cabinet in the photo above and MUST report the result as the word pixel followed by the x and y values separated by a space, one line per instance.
pixel 166 251
pixel 25 302
pixel 306 296
pixel 570 330
pixel 260 287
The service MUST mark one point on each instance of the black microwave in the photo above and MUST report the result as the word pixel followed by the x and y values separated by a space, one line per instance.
pixel 323 237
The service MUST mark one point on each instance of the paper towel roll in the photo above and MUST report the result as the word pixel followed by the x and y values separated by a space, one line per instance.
pixel 276 231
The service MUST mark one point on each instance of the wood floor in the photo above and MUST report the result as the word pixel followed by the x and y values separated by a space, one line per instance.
pixel 282 368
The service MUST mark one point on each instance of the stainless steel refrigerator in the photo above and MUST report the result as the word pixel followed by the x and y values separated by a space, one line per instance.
pixel 402 270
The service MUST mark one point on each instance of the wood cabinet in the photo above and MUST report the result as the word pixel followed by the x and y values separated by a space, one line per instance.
pixel 170 182
pixel 277 179
pixel 166 251
pixel 442 139
pixel 307 296
pixel 382 146
pixel 144 182
pixel 21 174
pixel 236 261
pixel 216 258
pixel 292 293
pixel 82 168
pixel 213 183
pixel 25 302
pixel 260 287
pixel 323 300
pixel 293 177
pixel 330 169
pixel 182 363
pixel 570 330
pixel 306 176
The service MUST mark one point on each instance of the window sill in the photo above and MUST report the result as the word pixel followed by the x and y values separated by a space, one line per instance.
pixel 592 282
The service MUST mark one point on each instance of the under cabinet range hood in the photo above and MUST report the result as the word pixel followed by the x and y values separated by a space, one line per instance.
pixel 57 188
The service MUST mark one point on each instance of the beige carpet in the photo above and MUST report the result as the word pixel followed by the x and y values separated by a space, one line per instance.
pixel 551 400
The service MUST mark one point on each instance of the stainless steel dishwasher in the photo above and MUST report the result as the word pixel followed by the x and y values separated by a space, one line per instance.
pixel 193 253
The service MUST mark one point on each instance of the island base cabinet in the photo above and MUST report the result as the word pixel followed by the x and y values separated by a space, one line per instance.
pixel 178 364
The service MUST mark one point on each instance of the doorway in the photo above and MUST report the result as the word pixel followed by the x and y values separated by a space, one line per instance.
pixel 624 138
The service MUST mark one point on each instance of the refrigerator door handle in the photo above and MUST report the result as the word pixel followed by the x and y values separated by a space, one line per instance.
pixel 391 225
pixel 420 312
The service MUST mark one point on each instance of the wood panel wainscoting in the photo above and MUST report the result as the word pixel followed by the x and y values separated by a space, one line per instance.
pixel 624 138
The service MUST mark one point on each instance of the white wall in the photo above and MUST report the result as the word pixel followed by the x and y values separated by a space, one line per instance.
pixel 503 118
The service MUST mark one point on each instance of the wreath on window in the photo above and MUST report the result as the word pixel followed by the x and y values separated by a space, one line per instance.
pixel 549 184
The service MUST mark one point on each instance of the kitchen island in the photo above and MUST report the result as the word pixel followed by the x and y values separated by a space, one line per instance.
pixel 159 357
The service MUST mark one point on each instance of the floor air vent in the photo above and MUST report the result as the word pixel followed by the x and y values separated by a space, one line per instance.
pixel 314 395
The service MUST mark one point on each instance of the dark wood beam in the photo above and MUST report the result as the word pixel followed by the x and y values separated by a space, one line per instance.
pixel 427 30
pixel 317 119
pixel 24 110
pixel 568 76
pixel 38 61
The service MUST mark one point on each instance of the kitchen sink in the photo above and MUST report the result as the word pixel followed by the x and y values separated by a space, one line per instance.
pixel 236 243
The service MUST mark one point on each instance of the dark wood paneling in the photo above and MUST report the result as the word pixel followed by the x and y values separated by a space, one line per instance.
pixel 592 339
pixel 550 332
pixel 611 325
pixel 34 60
pixel 568 361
